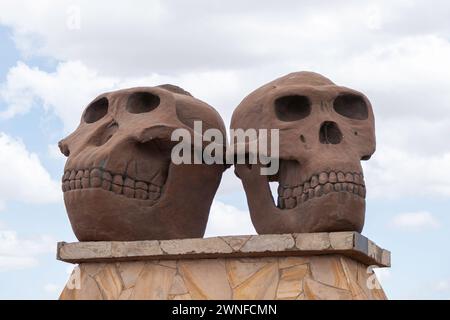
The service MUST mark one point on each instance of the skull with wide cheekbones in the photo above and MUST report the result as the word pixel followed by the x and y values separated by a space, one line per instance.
pixel 119 181
pixel 324 132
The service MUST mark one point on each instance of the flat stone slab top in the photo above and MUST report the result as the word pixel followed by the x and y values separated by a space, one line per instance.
pixel 349 244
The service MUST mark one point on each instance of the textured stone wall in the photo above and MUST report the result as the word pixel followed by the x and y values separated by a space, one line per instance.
pixel 330 276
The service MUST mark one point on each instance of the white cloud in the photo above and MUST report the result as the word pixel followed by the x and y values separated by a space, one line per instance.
pixel 393 173
pixel 229 183
pixel 8 263
pixel 404 77
pixel 169 36
pixel 227 220
pixel 68 90
pixel 52 288
pixel 414 221
pixel 65 92
pixel 443 285
pixel 22 176
pixel 55 153
pixel 17 253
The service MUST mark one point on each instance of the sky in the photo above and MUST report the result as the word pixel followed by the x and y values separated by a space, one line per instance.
pixel 57 56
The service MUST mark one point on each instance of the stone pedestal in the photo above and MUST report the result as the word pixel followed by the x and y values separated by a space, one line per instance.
pixel 288 266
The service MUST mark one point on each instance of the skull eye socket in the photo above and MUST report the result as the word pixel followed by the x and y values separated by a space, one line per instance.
pixel 141 102
pixel 292 108
pixel 351 106
pixel 96 110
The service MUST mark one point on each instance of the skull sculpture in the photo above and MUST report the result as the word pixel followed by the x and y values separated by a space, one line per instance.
pixel 324 132
pixel 119 181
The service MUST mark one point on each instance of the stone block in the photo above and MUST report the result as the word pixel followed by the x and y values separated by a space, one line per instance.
pixel 350 244
pixel 269 243
pixel 312 241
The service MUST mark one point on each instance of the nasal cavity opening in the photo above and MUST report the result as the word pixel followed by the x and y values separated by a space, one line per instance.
pixel 329 133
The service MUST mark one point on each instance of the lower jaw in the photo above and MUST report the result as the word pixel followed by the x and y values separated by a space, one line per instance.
pixel 336 211
pixel 97 214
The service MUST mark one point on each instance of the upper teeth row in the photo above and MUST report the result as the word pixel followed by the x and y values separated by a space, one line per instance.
pixel 119 184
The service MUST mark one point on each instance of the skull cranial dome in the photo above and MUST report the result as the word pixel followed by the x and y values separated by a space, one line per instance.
pixel 325 130
pixel 119 181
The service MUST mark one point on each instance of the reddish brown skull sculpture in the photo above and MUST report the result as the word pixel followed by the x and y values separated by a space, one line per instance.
pixel 324 132
pixel 119 181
